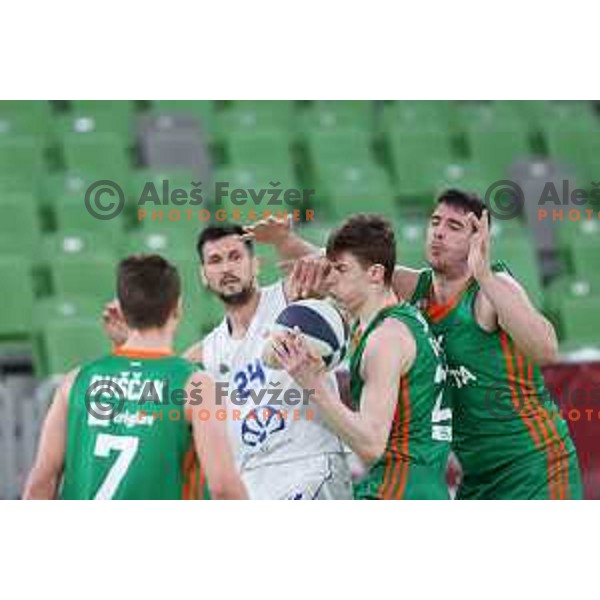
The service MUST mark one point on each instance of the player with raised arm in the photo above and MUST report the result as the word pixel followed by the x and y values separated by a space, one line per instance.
pixel 507 433
pixel 400 427
pixel 282 448
pixel 111 431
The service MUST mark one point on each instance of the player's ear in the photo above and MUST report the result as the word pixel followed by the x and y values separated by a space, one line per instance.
pixel 178 310
pixel 376 273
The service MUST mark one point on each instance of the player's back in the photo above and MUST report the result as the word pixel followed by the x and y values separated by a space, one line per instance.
pixel 414 461
pixel 132 441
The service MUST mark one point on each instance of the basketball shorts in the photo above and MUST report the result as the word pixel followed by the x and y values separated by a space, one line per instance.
pixel 321 477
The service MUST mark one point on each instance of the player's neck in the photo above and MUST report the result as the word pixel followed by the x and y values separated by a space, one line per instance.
pixel 375 304
pixel 447 286
pixel 240 316
pixel 150 340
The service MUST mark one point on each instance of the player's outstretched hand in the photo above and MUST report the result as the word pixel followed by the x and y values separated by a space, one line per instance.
pixel 479 249
pixel 271 230
pixel 114 323
pixel 306 367
pixel 308 278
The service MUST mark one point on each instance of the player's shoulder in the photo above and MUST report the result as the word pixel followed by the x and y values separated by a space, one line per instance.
pixel 393 328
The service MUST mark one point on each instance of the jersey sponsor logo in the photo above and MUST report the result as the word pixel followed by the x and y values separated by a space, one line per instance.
pixel 461 377
pixel 261 423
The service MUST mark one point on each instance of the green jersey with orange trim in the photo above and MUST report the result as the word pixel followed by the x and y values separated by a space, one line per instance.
pixel 127 433
pixel 413 464
pixel 507 433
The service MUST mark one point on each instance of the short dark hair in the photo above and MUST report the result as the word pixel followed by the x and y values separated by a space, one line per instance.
pixel 370 238
pixel 466 201
pixel 215 232
pixel 148 289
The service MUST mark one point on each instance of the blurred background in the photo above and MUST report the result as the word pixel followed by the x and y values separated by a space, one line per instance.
pixel 57 263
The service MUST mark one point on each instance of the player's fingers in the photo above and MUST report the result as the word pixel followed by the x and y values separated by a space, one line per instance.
pixel 247 236
pixel 322 275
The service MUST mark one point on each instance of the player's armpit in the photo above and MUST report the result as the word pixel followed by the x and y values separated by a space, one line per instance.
pixel 43 480
pixel 209 427
pixel 389 354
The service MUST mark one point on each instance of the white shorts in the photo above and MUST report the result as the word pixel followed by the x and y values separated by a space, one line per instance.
pixel 322 477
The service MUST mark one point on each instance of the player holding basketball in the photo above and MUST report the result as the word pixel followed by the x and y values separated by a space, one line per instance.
pixel 400 427
pixel 282 449
pixel 140 448
pixel 506 431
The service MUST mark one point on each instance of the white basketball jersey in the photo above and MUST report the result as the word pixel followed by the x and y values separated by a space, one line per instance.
pixel 271 418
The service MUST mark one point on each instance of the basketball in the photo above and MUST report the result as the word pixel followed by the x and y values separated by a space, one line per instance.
pixel 322 326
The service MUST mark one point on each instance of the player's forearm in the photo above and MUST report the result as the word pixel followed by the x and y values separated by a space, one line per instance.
pixel 292 247
pixel 40 487
pixel 350 425
pixel 531 331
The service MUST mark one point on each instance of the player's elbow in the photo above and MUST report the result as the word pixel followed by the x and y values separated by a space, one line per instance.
pixel 40 486
pixel 547 352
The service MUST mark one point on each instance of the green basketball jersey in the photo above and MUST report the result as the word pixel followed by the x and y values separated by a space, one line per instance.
pixel 413 465
pixel 507 433
pixel 132 440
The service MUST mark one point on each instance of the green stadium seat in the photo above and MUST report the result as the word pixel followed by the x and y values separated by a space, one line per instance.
pixel 81 264
pixel 270 149
pixel 403 116
pixel 521 259
pixel 418 158
pixel 410 235
pixel 578 149
pixel 461 175
pixel 102 122
pixel 20 223
pixel 56 308
pixel 585 252
pixel 318 233
pixel 580 319
pixel 495 147
pixel 166 243
pixel 566 286
pixel 269 270
pixel 25 117
pixel 351 189
pixel 203 110
pixel 256 178
pixel 334 115
pixel 21 157
pixel 101 153
pixel 67 343
pixel 16 316
pixel 257 116
pixel 339 146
